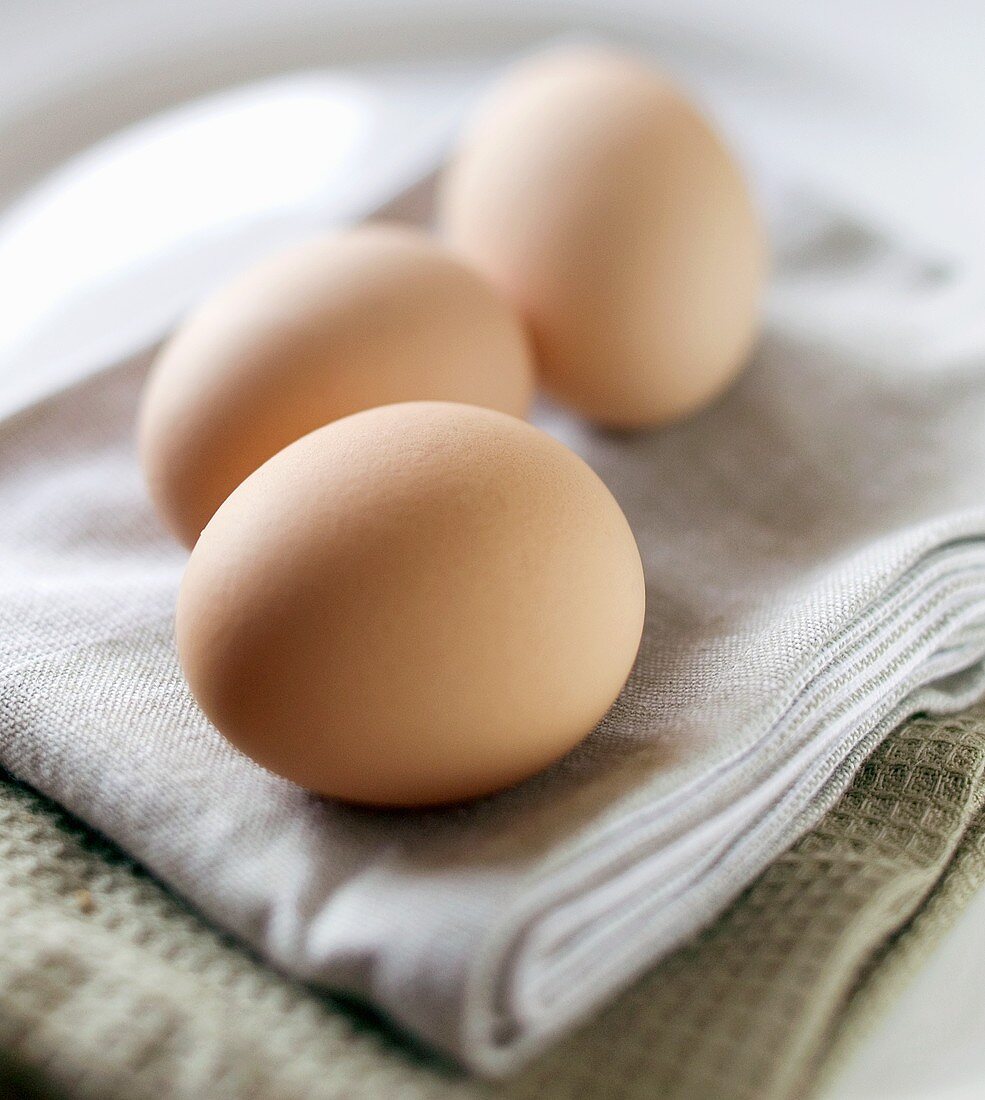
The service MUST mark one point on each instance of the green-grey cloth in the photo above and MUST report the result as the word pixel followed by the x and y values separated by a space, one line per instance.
pixel 111 988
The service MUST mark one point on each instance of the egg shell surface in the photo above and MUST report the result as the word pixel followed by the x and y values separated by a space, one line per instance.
pixel 417 604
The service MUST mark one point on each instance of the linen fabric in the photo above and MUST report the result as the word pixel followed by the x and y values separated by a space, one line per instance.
pixel 111 988
pixel 815 563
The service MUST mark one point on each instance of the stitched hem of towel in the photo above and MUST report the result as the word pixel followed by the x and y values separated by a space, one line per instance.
pixel 110 987
pixel 752 1007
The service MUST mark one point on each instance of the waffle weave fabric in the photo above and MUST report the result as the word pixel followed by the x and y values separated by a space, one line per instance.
pixel 811 581
pixel 813 544
pixel 110 988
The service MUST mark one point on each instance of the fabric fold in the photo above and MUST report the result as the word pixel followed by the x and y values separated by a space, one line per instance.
pixel 766 1002
pixel 814 551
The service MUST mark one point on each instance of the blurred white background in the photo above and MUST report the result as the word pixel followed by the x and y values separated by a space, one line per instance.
pixel 880 101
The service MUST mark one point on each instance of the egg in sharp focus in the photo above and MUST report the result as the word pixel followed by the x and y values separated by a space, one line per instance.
pixel 417 604
pixel 604 205
pixel 340 323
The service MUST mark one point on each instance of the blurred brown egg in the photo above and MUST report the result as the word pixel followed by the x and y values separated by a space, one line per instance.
pixel 602 203
pixel 339 324
pixel 418 604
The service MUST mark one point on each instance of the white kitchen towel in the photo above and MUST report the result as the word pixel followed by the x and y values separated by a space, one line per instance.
pixel 814 548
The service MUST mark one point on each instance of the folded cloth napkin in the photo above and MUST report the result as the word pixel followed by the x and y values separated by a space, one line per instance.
pixel 110 988
pixel 814 549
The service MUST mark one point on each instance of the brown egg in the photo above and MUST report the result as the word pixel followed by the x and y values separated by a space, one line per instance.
pixel 339 324
pixel 601 201
pixel 418 604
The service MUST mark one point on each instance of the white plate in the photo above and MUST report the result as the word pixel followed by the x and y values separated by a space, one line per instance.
pixel 822 83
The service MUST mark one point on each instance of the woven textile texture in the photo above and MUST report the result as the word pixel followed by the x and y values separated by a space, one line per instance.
pixel 111 989
pixel 813 544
